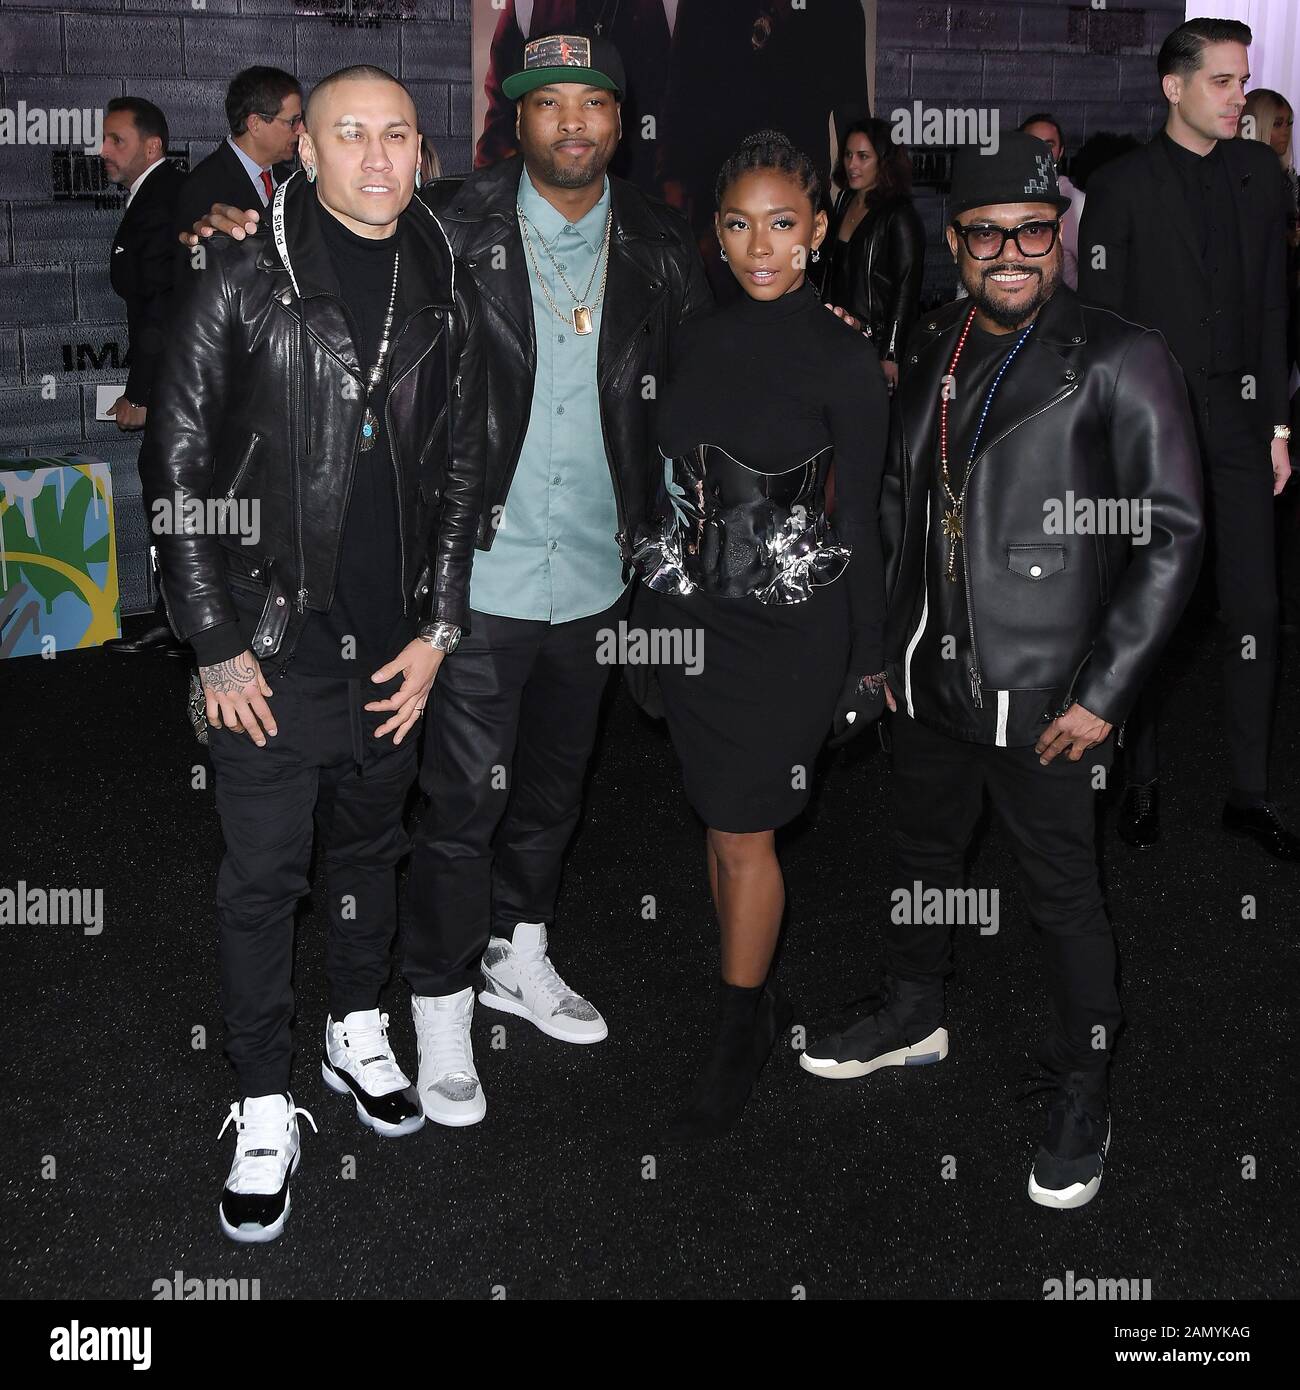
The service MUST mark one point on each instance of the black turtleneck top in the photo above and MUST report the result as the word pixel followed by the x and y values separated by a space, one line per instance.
pixel 773 382
pixel 364 627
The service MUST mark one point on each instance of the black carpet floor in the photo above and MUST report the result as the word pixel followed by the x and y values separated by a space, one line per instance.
pixel 907 1184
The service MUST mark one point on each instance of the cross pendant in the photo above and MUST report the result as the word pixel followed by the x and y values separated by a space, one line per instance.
pixel 952 529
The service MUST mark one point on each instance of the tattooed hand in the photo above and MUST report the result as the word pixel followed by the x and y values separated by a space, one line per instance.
pixel 236 697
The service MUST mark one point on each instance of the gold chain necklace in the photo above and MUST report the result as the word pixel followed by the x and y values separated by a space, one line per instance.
pixel 580 318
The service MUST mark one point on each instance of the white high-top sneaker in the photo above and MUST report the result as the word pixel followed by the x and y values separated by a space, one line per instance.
pixel 255 1203
pixel 359 1062
pixel 518 977
pixel 448 1084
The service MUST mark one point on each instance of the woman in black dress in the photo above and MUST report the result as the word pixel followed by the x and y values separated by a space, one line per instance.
pixel 764 394
pixel 875 253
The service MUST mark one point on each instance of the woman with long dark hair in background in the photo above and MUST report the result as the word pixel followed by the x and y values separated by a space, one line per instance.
pixel 764 391
pixel 875 252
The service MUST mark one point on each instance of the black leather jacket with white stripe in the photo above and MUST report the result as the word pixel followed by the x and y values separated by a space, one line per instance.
pixel 1094 410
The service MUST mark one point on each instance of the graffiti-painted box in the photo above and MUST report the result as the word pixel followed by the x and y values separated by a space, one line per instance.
pixel 58 559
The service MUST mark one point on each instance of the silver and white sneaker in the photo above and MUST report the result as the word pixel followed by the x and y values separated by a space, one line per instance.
pixel 359 1062
pixel 255 1203
pixel 518 978
pixel 448 1084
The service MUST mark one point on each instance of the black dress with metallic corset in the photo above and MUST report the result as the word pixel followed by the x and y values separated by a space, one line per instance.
pixel 767 401
pixel 735 531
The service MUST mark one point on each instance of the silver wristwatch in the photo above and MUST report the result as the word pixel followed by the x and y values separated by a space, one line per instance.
pixel 445 637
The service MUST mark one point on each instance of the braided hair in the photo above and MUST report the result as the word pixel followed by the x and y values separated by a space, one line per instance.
pixel 770 149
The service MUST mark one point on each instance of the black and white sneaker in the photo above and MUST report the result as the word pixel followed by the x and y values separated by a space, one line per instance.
pixel 359 1062
pixel 255 1203
pixel 904 1031
pixel 1068 1167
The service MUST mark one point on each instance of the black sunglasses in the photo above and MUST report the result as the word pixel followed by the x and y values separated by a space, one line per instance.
pixel 984 241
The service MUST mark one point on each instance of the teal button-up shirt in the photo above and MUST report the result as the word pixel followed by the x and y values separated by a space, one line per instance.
pixel 554 557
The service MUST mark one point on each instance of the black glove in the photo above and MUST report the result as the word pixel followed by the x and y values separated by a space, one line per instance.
pixel 860 704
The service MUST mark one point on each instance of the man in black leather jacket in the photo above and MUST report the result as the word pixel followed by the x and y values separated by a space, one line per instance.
pixel 572 468
pixel 568 447
pixel 1043 528
pixel 314 467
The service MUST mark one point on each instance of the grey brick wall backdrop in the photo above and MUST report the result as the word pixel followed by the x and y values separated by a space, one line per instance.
pixel 1093 67
pixel 58 317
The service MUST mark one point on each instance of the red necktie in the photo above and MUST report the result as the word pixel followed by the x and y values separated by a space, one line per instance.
pixel 267 184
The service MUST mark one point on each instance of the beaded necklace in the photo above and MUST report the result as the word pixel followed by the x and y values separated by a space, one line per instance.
pixel 952 517
pixel 370 422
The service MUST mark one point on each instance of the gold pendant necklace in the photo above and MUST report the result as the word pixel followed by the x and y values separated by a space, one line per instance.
pixel 580 317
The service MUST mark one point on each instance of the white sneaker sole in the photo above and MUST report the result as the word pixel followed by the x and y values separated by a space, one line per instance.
pixel 519 1008
pixel 1078 1194
pixel 341 1088
pixel 259 1235
pixel 929 1050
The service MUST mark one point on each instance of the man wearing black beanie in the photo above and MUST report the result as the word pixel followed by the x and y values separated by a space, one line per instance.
pixel 1042 522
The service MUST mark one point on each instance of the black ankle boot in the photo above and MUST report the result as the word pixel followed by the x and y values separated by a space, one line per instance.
pixel 749 1022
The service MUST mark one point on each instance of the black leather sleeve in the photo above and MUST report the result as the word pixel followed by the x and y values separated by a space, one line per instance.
pixel 462 493
pixel 905 251
pixel 184 423
pixel 1154 459
pixel 893 501
pixel 692 294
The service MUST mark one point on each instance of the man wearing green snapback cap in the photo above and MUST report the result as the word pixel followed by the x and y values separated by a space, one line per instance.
pixel 584 279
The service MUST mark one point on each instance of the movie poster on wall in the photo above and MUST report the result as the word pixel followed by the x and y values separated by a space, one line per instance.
pixel 701 75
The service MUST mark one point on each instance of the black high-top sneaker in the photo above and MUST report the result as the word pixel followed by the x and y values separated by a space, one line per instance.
pixel 904 1031
pixel 255 1203
pixel 359 1062
pixel 1067 1170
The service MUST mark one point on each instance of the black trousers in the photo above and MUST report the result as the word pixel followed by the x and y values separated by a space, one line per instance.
pixel 324 765
pixel 939 785
pixel 514 721
pixel 1239 494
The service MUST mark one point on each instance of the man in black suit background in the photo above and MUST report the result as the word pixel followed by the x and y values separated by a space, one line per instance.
pixel 264 112
pixel 141 271
pixel 1187 235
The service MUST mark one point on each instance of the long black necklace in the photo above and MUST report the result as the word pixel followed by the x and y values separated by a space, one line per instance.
pixel 370 422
